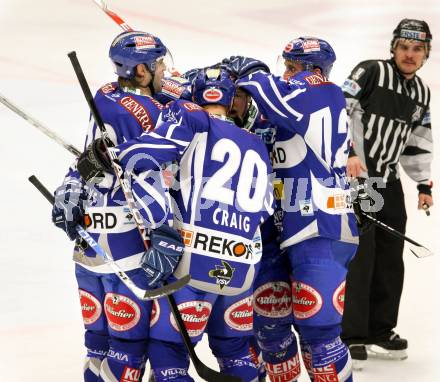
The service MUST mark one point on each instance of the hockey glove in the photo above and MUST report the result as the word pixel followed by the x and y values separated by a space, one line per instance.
pixel 362 205
pixel 68 209
pixel 191 74
pixel 94 160
pixel 239 66
pixel 162 258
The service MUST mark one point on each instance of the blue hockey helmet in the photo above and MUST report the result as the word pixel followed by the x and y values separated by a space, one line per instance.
pixel 130 49
pixel 213 86
pixel 312 52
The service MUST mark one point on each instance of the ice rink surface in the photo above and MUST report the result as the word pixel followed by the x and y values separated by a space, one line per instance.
pixel 40 320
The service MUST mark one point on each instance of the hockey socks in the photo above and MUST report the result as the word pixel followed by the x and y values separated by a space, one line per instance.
pixel 280 352
pixel 331 361
pixel 234 357
pixel 169 361
pixel 97 348
pixel 125 361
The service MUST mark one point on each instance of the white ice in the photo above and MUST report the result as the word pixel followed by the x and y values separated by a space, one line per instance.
pixel 40 320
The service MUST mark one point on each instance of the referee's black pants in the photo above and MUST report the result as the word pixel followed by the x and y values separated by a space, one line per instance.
pixel 375 275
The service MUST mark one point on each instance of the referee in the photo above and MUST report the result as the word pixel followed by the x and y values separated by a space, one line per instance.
pixel 388 105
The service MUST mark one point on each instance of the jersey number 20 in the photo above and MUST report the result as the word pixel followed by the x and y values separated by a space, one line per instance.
pixel 216 188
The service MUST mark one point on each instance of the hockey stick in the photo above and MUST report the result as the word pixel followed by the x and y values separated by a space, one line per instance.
pixel 118 20
pixel 141 294
pixel 39 126
pixel 419 250
pixel 202 370
pixel 102 4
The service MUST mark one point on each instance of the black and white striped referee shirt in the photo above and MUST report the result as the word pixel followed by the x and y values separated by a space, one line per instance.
pixel 390 121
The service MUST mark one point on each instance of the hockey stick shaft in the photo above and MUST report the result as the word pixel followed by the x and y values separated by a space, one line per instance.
pixel 52 135
pixel 397 234
pixel 203 371
pixel 138 292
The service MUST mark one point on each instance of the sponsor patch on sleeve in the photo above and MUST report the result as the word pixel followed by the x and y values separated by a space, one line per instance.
pixel 351 87
pixel 426 118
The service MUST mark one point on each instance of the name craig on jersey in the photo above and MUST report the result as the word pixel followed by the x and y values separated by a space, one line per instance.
pixel 231 219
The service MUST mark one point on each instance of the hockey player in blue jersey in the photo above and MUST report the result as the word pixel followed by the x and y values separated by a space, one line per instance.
pixel 223 195
pixel 116 322
pixel 319 232
pixel 272 291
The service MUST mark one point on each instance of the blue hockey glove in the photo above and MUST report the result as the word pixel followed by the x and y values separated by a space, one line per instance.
pixel 191 74
pixel 174 88
pixel 94 161
pixel 68 209
pixel 162 258
pixel 240 66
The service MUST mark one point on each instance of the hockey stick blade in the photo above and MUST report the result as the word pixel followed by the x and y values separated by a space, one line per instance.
pixel 39 125
pixel 420 252
pixel 140 293
pixel 416 249
pixel 118 20
pixel 103 5
pixel 167 289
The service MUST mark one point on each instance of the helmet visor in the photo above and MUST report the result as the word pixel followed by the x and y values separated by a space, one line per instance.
pixel 287 68
pixel 166 63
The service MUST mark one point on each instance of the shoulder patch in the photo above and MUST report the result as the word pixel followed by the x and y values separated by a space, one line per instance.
pixel 426 118
pixel 351 87
pixel 108 88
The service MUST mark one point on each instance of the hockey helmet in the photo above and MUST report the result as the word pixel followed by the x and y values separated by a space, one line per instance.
pixel 130 49
pixel 411 29
pixel 213 86
pixel 312 52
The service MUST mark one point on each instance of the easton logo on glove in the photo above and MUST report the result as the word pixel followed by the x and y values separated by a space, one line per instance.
pixel 161 259
pixel 171 246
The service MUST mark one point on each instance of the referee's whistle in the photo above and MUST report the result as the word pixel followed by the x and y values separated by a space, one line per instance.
pixel 426 209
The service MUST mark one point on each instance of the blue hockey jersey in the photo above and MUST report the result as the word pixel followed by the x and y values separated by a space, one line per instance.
pixel 222 194
pixel 309 155
pixel 107 217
